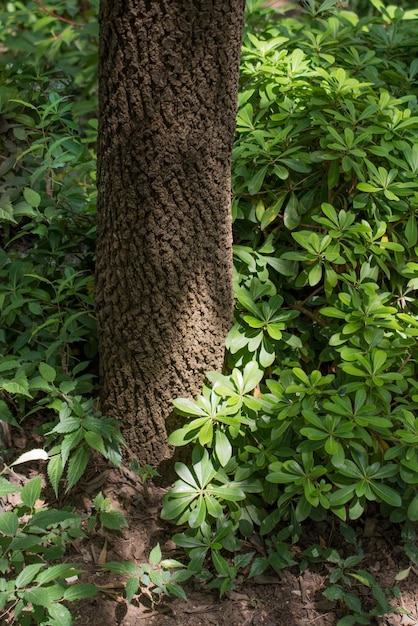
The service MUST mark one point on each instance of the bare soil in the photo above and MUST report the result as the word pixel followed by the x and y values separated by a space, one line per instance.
pixel 289 599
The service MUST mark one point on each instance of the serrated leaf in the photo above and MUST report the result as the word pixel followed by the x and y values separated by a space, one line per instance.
pixel 28 574
pixel 60 614
pixel 76 466
pixel 6 487
pixel 64 570
pixel 113 520
pixel 44 596
pixel 45 518
pixel 9 523
pixel 55 470
pixel 6 415
pixel 80 591
pixel 95 441
pixel 258 566
pixel 67 425
pixel 125 567
pixel 31 492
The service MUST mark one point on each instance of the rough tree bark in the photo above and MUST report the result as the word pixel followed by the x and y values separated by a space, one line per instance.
pixel 168 75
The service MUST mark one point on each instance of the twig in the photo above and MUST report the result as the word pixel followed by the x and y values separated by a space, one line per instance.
pixel 315 318
pixel 58 17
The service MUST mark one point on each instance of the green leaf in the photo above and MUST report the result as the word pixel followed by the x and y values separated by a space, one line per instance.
pixel 95 441
pixel 315 275
pixel 155 555
pixel 80 591
pixel 403 574
pixel 387 494
pixel 44 596
pixel 177 591
pixel 126 567
pixel 77 465
pixel 55 470
pixel 132 586
pixel 60 614
pixel 223 447
pixel 47 372
pixel 31 492
pixel 187 407
pixel 114 520
pixel 256 182
pixel 45 518
pixel 28 574
pixel 9 523
pixel 6 487
pixel 198 513
pixel 32 197
pixel 412 512
pixel 64 570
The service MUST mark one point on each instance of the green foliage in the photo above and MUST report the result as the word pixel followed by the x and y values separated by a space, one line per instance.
pixel 158 576
pixel 318 414
pixel 32 539
pixel 48 342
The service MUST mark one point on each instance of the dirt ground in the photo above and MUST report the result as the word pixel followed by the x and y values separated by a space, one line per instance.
pixel 269 600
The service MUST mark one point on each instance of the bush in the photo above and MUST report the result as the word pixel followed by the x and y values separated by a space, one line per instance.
pixel 48 343
pixel 319 414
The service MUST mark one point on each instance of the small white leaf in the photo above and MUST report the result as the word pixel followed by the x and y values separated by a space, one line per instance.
pixel 37 454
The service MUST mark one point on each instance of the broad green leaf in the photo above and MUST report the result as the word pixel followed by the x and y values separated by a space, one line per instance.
pixel 387 494
pixel 132 586
pixel 31 492
pixel 44 596
pixel 256 182
pixel 188 407
pixel 60 614
pixel 47 372
pixel 9 523
pixel 223 447
pixel 6 487
pixel 64 570
pixel 80 591
pixel 32 197
pixel 28 574
pixel 198 513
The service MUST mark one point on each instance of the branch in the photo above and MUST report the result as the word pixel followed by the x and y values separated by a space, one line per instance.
pixel 58 17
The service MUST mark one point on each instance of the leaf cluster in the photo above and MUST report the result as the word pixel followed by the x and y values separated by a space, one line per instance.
pixel 318 415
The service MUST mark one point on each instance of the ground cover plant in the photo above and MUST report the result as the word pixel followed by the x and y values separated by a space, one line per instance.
pixel 315 415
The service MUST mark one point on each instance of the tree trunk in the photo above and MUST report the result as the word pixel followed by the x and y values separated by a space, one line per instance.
pixel 168 75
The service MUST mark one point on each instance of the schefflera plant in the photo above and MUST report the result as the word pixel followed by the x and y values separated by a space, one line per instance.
pixel 325 210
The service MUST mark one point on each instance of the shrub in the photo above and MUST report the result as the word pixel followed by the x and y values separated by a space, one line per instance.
pixel 318 414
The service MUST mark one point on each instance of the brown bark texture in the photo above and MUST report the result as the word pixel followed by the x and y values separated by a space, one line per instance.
pixel 168 74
